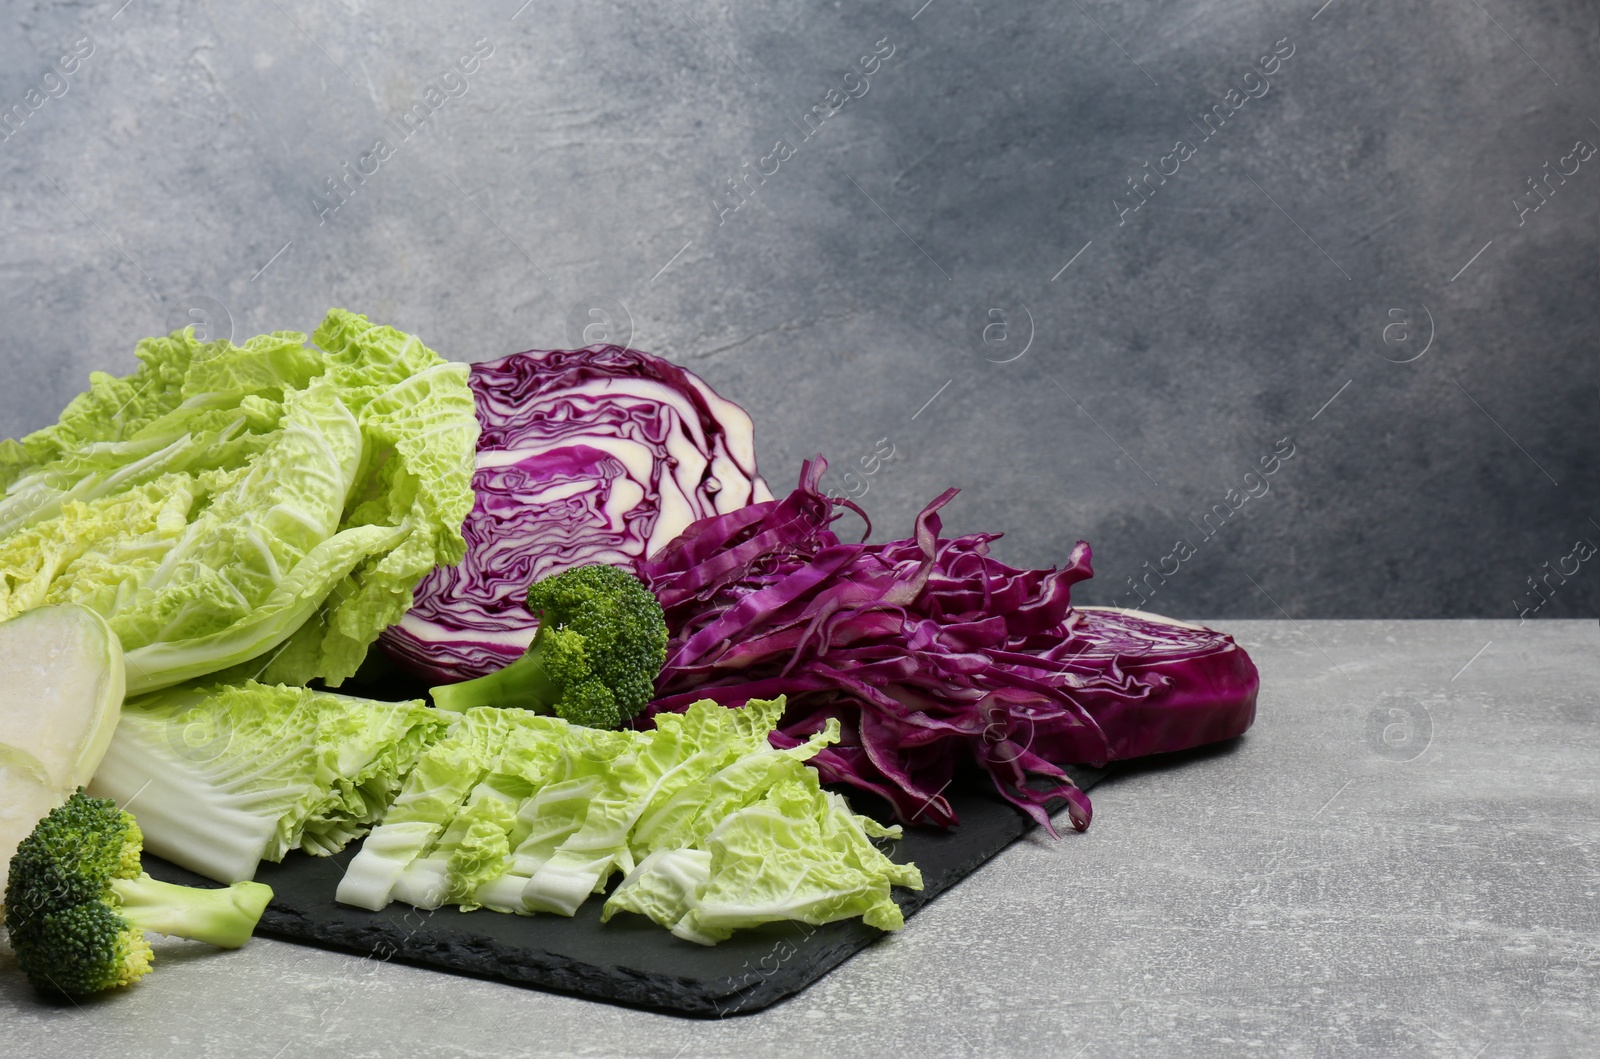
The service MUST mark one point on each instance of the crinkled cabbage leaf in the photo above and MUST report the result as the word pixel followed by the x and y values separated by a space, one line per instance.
pixel 263 509
pixel 223 777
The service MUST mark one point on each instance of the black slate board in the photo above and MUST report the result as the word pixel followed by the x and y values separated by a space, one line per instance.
pixel 628 960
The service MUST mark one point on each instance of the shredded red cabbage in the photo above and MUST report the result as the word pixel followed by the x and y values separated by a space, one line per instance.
pixel 597 455
pixel 929 652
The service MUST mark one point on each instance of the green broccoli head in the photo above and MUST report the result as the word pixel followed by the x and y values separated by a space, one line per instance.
pixel 66 934
pixel 623 645
pixel 78 903
pixel 601 643
pixel 84 949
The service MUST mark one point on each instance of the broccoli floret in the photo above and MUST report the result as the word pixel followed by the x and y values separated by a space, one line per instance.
pixel 78 902
pixel 602 641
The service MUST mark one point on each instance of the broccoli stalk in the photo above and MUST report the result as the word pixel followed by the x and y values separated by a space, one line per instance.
pixel 78 902
pixel 223 917
pixel 601 643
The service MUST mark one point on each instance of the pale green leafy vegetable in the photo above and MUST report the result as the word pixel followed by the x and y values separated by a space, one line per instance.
pixel 482 850
pixel 701 744
pixel 798 854
pixel 664 886
pixel 586 858
pixel 262 509
pixel 711 827
pixel 552 770
pixel 223 777
pixel 430 800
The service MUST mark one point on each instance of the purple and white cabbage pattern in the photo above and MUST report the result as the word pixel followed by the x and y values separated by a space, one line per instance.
pixel 597 455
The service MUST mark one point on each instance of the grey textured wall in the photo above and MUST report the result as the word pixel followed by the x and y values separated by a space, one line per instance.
pixel 948 255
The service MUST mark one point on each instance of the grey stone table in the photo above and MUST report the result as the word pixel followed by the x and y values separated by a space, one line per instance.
pixel 1401 858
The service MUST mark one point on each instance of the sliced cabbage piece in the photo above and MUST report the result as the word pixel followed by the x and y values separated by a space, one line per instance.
pixel 222 777
pixel 712 827
pixel 62 670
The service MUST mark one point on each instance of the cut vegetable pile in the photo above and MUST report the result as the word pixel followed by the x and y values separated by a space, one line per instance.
pixel 713 828
pixel 647 667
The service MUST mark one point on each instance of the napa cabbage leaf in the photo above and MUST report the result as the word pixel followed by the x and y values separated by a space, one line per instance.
pixel 261 510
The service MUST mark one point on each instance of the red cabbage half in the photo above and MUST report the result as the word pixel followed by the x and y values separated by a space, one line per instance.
pixel 929 652
pixel 597 455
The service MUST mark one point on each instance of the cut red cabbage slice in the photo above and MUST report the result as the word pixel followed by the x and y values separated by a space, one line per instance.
pixel 597 455
pixel 1204 689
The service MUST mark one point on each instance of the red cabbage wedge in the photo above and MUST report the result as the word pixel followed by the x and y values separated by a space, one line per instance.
pixel 930 653
pixel 597 455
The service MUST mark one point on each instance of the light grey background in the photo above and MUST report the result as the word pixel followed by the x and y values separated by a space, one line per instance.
pixel 1246 301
